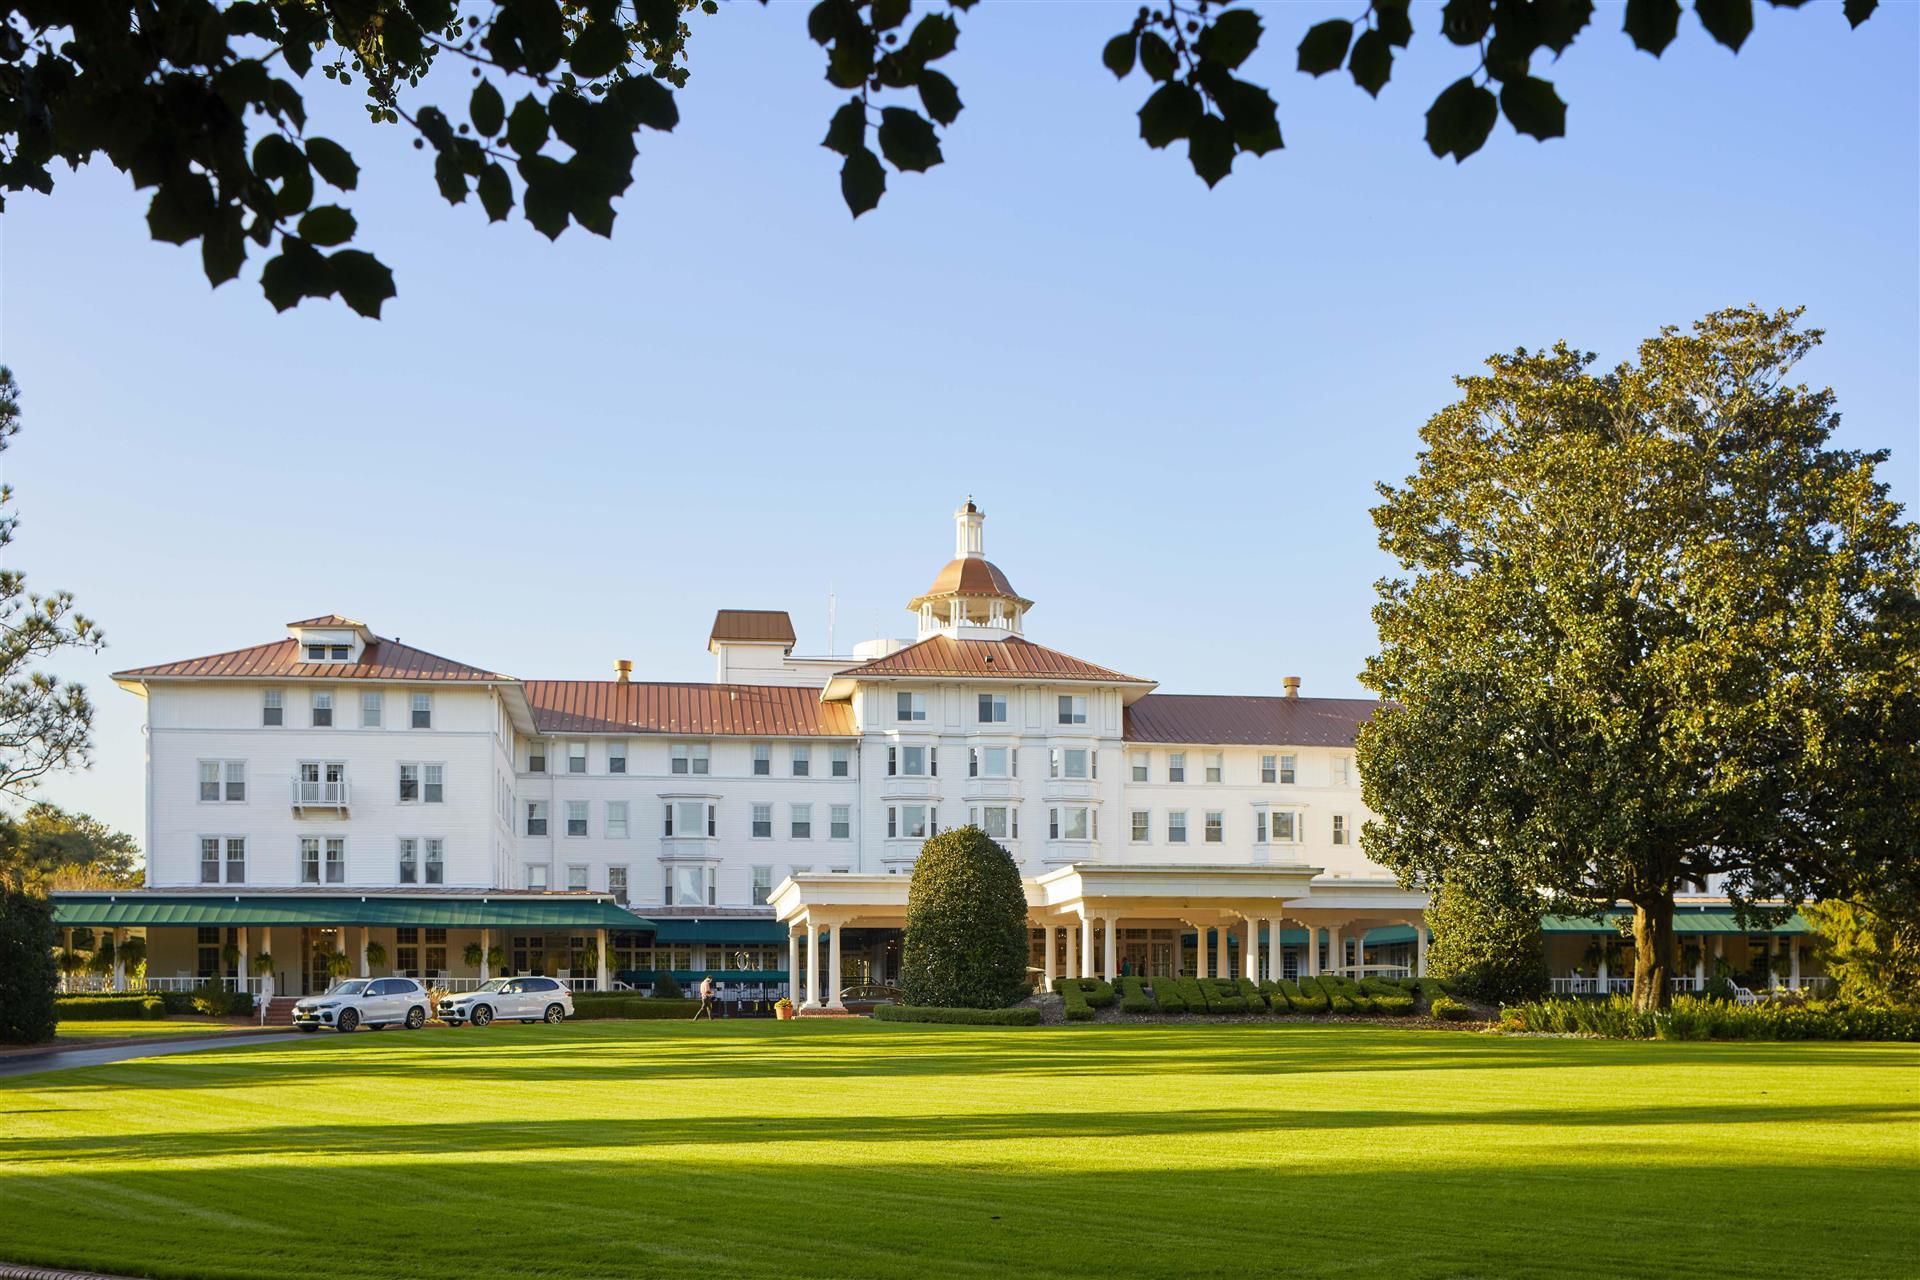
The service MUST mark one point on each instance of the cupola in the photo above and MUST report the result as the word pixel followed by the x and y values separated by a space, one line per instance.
pixel 970 597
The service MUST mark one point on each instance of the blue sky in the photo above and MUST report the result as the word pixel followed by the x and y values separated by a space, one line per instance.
pixel 1172 403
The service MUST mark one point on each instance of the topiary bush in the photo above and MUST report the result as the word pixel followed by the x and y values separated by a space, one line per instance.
pixel 1021 1015
pixel 1133 996
pixel 120 1008
pixel 1250 992
pixel 667 987
pixel 1074 997
pixel 1166 996
pixel 1487 942
pixel 28 975
pixel 966 936
pixel 1447 1009
pixel 620 1005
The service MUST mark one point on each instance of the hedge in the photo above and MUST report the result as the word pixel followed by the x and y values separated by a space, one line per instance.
pixel 1166 996
pixel 1693 1018
pixel 1393 1006
pixel 1074 996
pixel 1133 996
pixel 119 1008
pixel 1250 992
pixel 1448 1009
pixel 1188 989
pixel 637 1008
pixel 1020 1015
pixel 217 1001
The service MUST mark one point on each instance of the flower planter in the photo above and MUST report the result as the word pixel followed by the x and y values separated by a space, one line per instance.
pixel 783 1012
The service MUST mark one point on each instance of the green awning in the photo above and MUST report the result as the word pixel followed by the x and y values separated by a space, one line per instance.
pixel 162 910
pixel 687 977
pixel 1383 937
pixel 745 932
pixel 1683 922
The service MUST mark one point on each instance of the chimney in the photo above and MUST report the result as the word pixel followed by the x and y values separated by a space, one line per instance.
pixel 1292 685
pixel 623 669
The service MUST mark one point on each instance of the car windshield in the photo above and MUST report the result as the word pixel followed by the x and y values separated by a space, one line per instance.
pixel 353 987
pixel 493 984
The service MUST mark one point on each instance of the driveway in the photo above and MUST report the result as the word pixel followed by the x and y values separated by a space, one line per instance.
pixel 60 1059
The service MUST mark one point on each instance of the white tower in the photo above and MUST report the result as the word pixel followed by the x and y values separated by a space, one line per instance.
pixel 970 599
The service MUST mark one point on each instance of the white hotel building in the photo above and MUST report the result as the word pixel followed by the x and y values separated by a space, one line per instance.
pixel 335 789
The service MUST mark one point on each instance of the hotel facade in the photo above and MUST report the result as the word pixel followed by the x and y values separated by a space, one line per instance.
pixel 335 792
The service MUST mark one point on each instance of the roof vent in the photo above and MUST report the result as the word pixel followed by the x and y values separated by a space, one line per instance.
pixel 623 669
pixel 1292 685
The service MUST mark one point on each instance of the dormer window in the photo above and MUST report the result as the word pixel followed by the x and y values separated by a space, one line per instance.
pixel 328 652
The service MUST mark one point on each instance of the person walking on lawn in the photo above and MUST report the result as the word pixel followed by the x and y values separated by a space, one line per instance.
pixel 706 999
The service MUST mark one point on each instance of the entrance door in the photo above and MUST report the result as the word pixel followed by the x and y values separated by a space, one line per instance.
pixel 320 943
pixel 1160 959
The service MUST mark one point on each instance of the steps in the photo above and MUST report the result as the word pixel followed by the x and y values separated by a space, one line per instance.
pixel 280 1011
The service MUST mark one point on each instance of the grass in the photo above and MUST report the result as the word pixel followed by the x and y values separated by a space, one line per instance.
pixel 867 1149
pixel 128 1030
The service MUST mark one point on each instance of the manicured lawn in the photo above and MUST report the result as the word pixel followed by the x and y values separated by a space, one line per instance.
pixel 145 1027
pixel 864 1149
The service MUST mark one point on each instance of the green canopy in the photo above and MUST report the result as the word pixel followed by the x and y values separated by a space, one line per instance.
pixel 1683 922
pixel 755 931
pixel 158 910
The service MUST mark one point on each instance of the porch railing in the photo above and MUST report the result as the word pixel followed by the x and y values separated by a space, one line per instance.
pixel 319 795
pixel 183 982
pixel 1623 986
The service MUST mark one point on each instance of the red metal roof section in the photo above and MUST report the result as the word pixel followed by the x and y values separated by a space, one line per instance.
pixel 753 626
pixel 971 576
pixel 1009 659
pixel 703 710
pixel 327 620
pixel 1229 720
pixel 379 660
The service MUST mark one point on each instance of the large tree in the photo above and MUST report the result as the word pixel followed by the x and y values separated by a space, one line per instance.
pixel 1651 629
pixel 966 936
pixel 202 101
pixel 48 846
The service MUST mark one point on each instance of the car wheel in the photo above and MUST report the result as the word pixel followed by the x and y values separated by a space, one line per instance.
pixel 481 1015
pixel 555 1013
pixel 305 1030
pixel 347 1021
pixel 416 1018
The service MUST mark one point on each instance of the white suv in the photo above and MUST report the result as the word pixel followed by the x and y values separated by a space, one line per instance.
pixel 528 999
pixel 377 1002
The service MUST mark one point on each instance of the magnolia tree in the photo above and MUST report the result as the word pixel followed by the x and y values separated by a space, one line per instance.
pixel 1649 628
pixel 966 937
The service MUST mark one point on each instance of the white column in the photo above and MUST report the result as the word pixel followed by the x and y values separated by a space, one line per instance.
pixel 833 971
pixel 1700 969
pixel 1773 949
pixel 120 966
pixel 1086 946
pixel 1199 951
pixel 1313 950
pixel 486 945
pixel 364 931
pixel 1251 954
pixel 793 964
pixel 1420 949
pixel 1072 953
pixel 1793 958
pixel 600 982
pixel 246 957
pixel 267 983
pixel 1603 967
pixel 1336 957
pixel 1223 960
pixel 1046 957
pixel 1110 951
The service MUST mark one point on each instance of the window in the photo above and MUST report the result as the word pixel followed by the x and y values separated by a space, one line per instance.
pixel 1177 827
pixel 691 818
pixel 989 762
pixel 1286 769
pixel 309 860
pixel 617 884
pixel 409 860
pixel 436 861
pixel 322 709
pixel 576 817
pixel 536 757
pixel 802 760
pixel 1069 762
pixel 314 869
pixel 1286 826
pixel 223 781
pixel 762 760
pixel 617 756
pixel 690 886
pixel 1141 820
pixel 1216 827
pixel 323 782
pixel 763 822
pixel 1141 762
pixel 910 706
pixel 576 878
pixel 840 822
pixel 616 819
pixel 842 762
pixel 423 711
pixel 409 783
pixel 800 821
pixel 1073 710
pixel 1269 769
pixel 537 882
pixel 908 821
pixel 316 653
pixel 1342 771
pixel 993 708
pixel 1176 766
pixel 371 705
pixel 1000 821
pixel 1340 828
pixel 689 757
pixel 576 757
pixel 209 859
pixel 536 817
pixel 336 860
pixel 911 762
pixel 1259 826
pixel 433 783
pixel 273 708
pixel 1073 822
pixel 762 885
pixel 1216 766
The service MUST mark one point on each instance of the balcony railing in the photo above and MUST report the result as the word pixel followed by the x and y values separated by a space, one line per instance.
pixel 319 795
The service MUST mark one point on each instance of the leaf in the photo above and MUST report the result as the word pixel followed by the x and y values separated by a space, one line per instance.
pixel 1392 20
pixel 1371 62
pixel 182 209
pixel 1653 24
pixel 1156 56
pixel 1728 21
pixel 486 110
pixel 451 176
pixel 862 181
pixel 527 126
pixel 934 37
pixel 1324 47
pixel 1169 114
pixel 888 14
pixel 496 192
pixel 327 226
pixel 1466 21
pixel 1533 107
pixel 648 102
pixel 1230 38
pixel 297 271
pixel 1210 149
pixel 1557 22
pixel 223 249
pixel 545 200
pixel 1858 11
pixel 1117 57
pixel 939 97
pixel 1460 119
pixel 600 48
pixel 907 140
pixel 331 161
pixel 847 131
pixel 1252 117
pixel 362 280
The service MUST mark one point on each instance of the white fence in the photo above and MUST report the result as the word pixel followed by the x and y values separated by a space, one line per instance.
pixel 1613 986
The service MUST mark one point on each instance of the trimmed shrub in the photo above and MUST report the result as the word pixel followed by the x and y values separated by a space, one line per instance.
pixel 1191 995
pixel 1393 1006
pixel 217 1002
pixel 1100 993
pixel 1447 1009
pixel 637 1008
pixel 1020 1015
pixel 966 937
pixel 28 974
pixel 1074 997
pixel 1487 941
pixel 1133 996
pixel 1691 1018
pixel 120 1008
pixel 667 987
pixel 1382 987
pixel 1166 996
pixel 1250 992
pixel 1429 990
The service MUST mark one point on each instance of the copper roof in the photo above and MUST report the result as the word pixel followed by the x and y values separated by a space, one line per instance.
pixel 971 576
pixel 610 706
pixel 763 626
pixel 1229 720
pixel 1009 659
pixel 379 660
pixel 327 620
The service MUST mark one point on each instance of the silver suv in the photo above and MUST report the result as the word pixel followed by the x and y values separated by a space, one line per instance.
pixel 528 999
pixel 377 1002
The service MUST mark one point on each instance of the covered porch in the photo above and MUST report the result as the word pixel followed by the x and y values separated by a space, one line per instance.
pixel 1590 956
